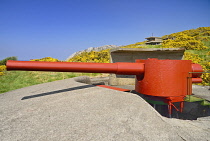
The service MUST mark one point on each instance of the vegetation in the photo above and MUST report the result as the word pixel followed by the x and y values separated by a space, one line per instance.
pixel 18 79
pixel 47 59
pixel 136 45
pixel 193 39
pixel 3 64
pixel 2 69
pixel 12 80
pixel 93 56
pixel 4 61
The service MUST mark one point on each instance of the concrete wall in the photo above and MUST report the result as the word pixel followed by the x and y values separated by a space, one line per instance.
pixel 131 54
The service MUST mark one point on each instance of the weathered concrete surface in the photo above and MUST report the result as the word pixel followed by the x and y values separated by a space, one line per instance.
pixel 201 91
pixel 68 110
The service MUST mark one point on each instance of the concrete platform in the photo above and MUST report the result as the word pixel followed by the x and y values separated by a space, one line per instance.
pixel 69 110
pixel 201 91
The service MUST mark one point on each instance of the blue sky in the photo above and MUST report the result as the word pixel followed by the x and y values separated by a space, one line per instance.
pixel 32 29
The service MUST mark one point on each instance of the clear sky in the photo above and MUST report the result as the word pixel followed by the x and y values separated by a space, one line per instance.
pixel 33 29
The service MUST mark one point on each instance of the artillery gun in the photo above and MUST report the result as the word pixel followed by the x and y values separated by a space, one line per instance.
pixel 166 80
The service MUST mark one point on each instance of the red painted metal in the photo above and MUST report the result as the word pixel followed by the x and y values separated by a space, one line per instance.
pixel 168 80
pixel 114 88
pixel 165 78
pixel 196 68
pixel 117 68
pixel 181 106
pixel 196 80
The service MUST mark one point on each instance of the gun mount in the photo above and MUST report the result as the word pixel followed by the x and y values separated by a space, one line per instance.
pixel 166 80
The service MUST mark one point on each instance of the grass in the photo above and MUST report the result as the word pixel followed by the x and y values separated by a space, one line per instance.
pixel 206 43
pixel 18 79
pixel 202 54
pixel 154 46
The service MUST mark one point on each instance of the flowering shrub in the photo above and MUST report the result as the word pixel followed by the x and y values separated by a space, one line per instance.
pixel 2 69
pixel 193 57
pixel 93 56
pixel 196 33
pixel 189 39
pixel 47 59
pixel 183 40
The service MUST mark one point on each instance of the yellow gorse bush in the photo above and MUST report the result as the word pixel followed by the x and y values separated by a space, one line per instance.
pixel 93 56
pixel 47 59
pixel 189 39
pixel 2 69
pixel 197 33
pixel 183 40
pixel 193 57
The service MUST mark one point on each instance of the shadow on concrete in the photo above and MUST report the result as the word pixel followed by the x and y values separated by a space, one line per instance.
pixel 58 91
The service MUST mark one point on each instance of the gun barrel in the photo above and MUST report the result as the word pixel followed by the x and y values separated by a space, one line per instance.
pixel 116 68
